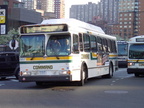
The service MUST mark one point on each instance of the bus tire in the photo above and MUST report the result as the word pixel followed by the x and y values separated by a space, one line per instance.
pixel 39 83
pixel 83 76
pixel 110 74
pixel 136 75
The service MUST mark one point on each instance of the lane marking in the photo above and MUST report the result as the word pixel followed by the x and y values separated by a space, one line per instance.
pixel 14 80
pixel 116 91
pixel 1 84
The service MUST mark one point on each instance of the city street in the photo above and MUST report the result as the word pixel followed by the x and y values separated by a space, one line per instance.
pixel 122 91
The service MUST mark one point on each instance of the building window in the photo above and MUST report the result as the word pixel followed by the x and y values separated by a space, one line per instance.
pixel 125 14
pixel 130 14
pixel 15 5
pixel 121 14
pixel 5 2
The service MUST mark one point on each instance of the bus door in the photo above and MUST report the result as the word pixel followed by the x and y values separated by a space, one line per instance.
pixel 85 48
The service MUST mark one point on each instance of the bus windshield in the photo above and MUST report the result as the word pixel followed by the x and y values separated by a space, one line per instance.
pixel 32 45
pixel 122 49
pixel 58 45
pixel 136 51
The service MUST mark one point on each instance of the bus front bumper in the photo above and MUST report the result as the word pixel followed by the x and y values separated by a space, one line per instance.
pixel 135 70
pixel 45 78
pixel 122 64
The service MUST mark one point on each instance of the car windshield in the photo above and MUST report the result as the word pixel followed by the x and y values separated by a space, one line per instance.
pixel 136 51
pixel 58 45
pixel 32 45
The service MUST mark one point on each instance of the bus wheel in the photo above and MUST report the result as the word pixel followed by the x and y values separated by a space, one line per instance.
pixel 83 76
pixel 110 72
pixel 39 83
pixel 136 75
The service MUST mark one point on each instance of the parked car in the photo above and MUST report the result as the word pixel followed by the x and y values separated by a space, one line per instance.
pixel 9 64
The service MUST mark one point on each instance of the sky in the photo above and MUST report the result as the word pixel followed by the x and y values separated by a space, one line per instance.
pixel 68 4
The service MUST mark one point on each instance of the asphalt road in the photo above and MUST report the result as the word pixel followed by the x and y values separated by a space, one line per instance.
pixel 121 91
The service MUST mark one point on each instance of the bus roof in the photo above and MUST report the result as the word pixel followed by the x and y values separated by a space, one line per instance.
pixel 73 22
pixel 140 36
pixel 136 39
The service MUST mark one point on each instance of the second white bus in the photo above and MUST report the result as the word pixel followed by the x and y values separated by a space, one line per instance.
pixel 136 56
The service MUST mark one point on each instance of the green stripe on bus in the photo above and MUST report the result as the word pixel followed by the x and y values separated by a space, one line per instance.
pixel 37 62
pixel 92 57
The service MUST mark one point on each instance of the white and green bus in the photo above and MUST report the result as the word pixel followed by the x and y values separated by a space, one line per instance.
pixel 136 56
pixel 122 53
pixel 65 50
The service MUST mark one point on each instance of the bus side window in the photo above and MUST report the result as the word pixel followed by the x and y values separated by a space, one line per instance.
pixel 114 46
pixel 93 42
pixel 109 46
pixel 100 44
pixel 75 44
pixel 86 43
pixel 106 45
pixel 81 42
pixel 103 45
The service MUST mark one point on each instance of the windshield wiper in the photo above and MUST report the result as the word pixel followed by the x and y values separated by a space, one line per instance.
pixel 57 56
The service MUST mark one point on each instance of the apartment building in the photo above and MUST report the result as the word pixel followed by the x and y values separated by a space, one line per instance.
pixel 49 6
pixel 84 12
pixel 131 13
pixel 107 10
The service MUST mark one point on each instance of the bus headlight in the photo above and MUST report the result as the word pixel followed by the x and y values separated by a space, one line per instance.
pixel 65 72
pixel 131 64
pixel 25 73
